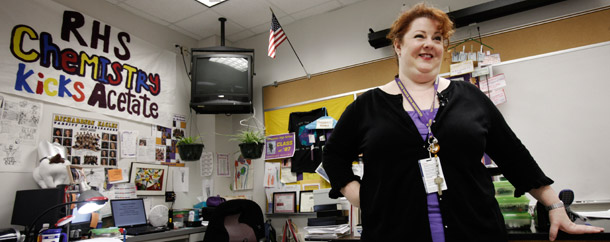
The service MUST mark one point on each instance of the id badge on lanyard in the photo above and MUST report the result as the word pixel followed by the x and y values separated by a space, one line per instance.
pixel 432 175
pixel 430 168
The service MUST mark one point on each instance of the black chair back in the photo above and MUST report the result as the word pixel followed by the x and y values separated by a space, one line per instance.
pixel 238 220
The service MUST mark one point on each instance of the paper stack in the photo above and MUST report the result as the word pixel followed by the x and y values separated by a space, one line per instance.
pixel 327 231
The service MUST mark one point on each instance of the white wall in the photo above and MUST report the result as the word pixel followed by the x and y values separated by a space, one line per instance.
pixel 157 35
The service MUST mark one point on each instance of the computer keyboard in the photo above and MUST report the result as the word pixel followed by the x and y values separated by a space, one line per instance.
pixel 144 230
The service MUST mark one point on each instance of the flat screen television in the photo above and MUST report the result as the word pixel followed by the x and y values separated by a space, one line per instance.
pixel 221 80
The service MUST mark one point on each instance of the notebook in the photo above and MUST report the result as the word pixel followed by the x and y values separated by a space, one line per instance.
pixel 130 214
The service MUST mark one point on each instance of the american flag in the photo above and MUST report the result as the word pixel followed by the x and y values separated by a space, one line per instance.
pixel 276 36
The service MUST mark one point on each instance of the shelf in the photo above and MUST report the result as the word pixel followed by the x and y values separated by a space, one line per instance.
pixel 289 214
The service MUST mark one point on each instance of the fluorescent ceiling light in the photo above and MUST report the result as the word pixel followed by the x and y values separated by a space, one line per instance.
pixel 210 3
pixel 240 64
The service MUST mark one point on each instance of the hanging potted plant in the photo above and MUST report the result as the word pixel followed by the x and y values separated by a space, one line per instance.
pixel 251 144
pixel 189 149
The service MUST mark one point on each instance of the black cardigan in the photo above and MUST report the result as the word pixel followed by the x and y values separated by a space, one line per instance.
pixel 392 195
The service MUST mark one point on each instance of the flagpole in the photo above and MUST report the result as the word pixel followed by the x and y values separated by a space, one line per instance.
pixel 293 50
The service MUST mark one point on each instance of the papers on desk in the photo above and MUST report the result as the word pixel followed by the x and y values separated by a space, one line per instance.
pixel 595 214
pixel 102 240
pixel 327 231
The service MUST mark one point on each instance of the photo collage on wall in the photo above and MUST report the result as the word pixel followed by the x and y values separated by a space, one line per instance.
pixel 88 142
pixel 166 139
pixel 164 151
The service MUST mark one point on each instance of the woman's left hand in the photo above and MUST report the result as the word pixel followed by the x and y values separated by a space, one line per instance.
pixel 560 221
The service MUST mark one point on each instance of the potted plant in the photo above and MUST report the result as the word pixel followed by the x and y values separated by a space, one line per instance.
pixel 189 149
pixel 251 144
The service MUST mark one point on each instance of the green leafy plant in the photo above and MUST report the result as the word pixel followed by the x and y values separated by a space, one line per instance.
pixel 249 136
pixel 189 148
pixel 188 140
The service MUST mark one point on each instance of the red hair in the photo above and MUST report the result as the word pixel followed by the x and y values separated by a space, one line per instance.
pixel 403 23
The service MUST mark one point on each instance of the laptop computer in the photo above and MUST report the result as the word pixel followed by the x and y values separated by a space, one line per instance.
pixel 130 214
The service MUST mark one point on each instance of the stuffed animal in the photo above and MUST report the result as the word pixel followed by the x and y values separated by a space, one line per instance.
pixel 51 172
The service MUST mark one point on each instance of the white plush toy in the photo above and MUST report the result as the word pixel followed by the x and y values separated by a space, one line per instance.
pixel 52 169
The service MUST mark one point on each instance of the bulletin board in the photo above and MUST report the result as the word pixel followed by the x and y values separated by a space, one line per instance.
pixel 558 35
pixel 276 121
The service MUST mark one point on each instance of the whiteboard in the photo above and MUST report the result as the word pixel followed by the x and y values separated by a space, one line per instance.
pixel 558 104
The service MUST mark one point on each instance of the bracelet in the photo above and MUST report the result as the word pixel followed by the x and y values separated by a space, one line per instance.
pixel 555 205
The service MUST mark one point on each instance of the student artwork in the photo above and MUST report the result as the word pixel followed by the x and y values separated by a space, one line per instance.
pixel 149 179
pixel 160 153
pixel 181 179
pixel 19 125
pixel 163 143
pixel 166 139
pixel 88 142
pixel 272 174
pixel 242 179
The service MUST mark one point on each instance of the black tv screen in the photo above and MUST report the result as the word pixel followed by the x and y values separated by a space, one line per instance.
pixel 222 81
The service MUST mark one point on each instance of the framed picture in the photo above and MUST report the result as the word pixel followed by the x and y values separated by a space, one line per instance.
pixel 284 202
pixel 76 174
pixel 149 179
pixel 306 201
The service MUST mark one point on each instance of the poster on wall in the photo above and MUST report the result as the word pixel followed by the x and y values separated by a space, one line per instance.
pixel 150 179
pixel 222 165
pixel 146 150
pixel 163 137
pixel 242 179
pixel 279 146
pixel 166 140
pixel 65 57
pixel 19 125
pixel 178 131
pixel 88 141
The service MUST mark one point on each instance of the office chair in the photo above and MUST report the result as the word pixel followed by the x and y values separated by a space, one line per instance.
pixel 236 220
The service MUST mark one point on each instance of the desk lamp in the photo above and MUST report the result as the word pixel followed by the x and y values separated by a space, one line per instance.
pixel 89 201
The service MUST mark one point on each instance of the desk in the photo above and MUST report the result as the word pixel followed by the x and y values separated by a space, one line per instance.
pixel 183 234
pixel 533 235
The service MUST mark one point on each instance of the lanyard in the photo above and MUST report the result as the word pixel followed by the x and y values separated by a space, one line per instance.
pixel 425 118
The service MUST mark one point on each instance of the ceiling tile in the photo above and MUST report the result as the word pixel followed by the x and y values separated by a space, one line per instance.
pixel 284 21
pixel 116 2
pixel 170 11
pixel 186 32
pixel 322 8
pixel 240 35
pixel 291 7
pixel 143 14
pixel 245 18
pixel 206 24
pixel 348 2
pixel 247 13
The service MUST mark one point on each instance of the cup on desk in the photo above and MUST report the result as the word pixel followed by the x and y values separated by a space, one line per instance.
pixel 54 235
